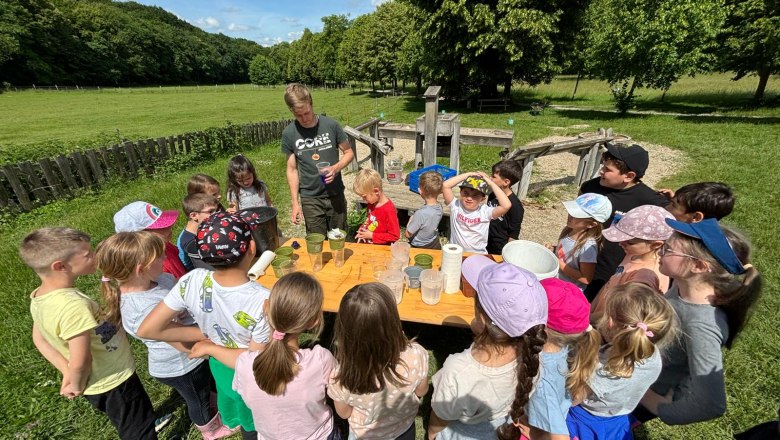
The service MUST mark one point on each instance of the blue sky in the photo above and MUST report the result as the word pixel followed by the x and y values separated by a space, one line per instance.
pixel 264 21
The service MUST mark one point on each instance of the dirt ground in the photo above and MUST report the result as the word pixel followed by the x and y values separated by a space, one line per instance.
pixel 551 183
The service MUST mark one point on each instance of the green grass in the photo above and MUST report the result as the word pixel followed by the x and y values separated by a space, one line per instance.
pixel 737 150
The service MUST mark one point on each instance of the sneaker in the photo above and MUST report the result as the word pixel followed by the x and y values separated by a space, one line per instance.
pixel 162 422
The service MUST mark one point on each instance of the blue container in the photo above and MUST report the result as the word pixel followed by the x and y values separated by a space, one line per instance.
pixel 414 176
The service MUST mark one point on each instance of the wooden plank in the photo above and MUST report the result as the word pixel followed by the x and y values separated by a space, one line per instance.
pixel 5 198
pixel 581 165
pixel 67 174
pixel 187 143
pixel 132 161
pixel 382 147
pixel 120 159
pixel 180 143
pixel 39 190
pixel 455 146
pixel 161 150
pixel 95 165
pixel 81 168
pixel 12 175
pixel 106 162
pixel 171 141
pixel 525 181
pixel 430 135
pixel 52 179
pixel 353 166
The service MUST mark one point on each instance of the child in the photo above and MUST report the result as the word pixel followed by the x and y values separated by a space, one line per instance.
pixel 620 179
pixel 225 304
pixel 205 184
pixel 505 228
pixel 93 356
pixel 697 201
pixel 381 375
pixel 609 381
pixel 381 225
pixel 715 288
pixel 142 216
pixel 245 190
pixel 579 242
pixel 568 327
pixel 641 233
pixel 133 284
pixel 422 229
pixel 284 385
pixel 197 207
pixel 481 393
pixel 469 217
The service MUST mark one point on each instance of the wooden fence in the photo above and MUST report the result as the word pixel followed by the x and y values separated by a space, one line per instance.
pixel 26 185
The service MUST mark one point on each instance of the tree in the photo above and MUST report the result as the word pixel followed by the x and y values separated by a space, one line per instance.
pixel 750 41
pixel 302 66
pixel 649 43
pixel 280 54
pixel 472 47
pixel 333 31
pixel 264 71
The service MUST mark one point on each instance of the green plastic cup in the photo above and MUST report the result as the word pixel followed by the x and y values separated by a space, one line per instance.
pixel 284 251
pixel 314 243
pixel 423 260
pixel 277 265
pixel 338 243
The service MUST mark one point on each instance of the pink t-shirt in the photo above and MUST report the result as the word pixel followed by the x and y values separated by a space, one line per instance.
pixel 301 412
pixel 388 413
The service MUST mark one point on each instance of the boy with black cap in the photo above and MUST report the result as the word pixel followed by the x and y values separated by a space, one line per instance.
pixel 225 304
pixel 469 216
pixel 622 169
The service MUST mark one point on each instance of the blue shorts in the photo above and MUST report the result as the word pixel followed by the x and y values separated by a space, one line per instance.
pixel 585 426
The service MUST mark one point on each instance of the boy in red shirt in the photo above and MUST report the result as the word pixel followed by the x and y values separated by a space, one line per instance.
pixel 381 225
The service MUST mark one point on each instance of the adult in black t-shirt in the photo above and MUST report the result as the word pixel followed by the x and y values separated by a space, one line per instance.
pixel 507 227
pixel 619 179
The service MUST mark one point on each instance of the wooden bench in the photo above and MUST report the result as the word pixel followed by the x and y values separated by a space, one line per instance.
pixel 493 102
pixel 405 200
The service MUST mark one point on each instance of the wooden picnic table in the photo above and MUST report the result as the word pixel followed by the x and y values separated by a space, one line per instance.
pixel 453 309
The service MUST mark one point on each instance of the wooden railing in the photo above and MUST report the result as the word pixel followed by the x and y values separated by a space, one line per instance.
pixel 26 185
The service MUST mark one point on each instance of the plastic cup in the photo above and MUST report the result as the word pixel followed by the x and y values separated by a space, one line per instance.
pixel 423 260
pixel 322 169
pixel 314 243
pixel 277 265
pixel 337 247
pixel 285 251
pixel 413 276
pixel 377 269
pixel 400 251
pixel 396 264
pixel 394 280
pixel 286 267
pixel 430 285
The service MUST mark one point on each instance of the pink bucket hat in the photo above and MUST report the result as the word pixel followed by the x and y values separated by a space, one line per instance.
pixel 568 311
pixel 511 297
pixel 647 222
pixel 138 216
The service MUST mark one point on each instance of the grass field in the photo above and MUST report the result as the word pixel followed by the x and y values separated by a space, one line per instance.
pixel 739 150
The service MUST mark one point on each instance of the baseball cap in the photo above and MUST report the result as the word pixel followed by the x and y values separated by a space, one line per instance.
pixel 224 238
pixel 138 216
pixel 711 235
pixel 634 156
pixel 646 222
pixel 511 297
pixel 568 311
pixel 589 205
pixel 475 181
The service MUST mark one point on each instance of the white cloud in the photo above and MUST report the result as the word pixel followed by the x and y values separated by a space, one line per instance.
pixel 376 3
pixel 237 27
pixel 269 41
pixel 294 35
pixel 208 22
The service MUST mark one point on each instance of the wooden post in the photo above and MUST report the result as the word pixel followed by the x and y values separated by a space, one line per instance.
pixel 16 186
pixel 431 111
pixel 67 174
pixel 418 150
pixel 38 189
pixel 81 168
pixel 5 200
pixel 594 161
pixel 95 165
pixel 455 145
pixel 51 177
pixel 132 162
pixel 525 181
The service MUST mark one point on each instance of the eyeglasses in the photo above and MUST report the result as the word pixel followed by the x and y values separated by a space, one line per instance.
pixel 208 211
pixel 665 249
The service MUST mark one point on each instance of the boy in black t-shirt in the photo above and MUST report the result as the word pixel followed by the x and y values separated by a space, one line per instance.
pixel 507 227
pixel 619 179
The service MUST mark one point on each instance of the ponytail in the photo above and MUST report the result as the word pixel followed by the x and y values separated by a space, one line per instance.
pixel 582 363
pixel 276 366
pixel 528 347
pixel 112 313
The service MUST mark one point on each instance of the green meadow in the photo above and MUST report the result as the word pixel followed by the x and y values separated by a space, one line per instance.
pixel 715 125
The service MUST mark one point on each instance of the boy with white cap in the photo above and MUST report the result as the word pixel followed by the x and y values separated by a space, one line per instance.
pixel 143 216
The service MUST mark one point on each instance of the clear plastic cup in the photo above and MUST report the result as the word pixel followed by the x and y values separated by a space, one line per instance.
pixel 400 251
pixel 431 285
pixel 322 169
pixel 394 280
pixel 337 246
pixel 314 249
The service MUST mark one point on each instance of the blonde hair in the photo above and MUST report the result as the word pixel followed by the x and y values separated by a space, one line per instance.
pixel 42 247
pixel 296 94
pixel 593 233
pixel 735 294
pixel 431 183
pixel 294 306
pixel 199 182
pixel 366 180
pixel 629 308
pixel 527 346
pixel 118 256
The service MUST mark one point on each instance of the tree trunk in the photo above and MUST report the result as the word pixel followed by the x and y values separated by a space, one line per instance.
pixel 663 95
pixel 418 84
pixel 631 92
pixel 576 84
pixel 508 87
pixel 763 77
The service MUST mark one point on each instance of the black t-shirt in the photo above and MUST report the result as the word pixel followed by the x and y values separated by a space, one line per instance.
pixel 623 200
pixel 311 146
pixel 506 226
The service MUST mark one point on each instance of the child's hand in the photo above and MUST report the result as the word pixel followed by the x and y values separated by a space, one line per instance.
pixel 484 175
pixel 666 192
pixel 201 349
pixel 231 209
pixel 67 390
pixel 364 234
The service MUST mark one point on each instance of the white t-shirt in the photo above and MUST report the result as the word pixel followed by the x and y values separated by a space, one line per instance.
pixel 588 253
pixel 229 316
pixel 469 229
pixel 248 198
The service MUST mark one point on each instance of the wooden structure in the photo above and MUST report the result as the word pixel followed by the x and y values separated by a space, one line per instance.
pixel 504 103
pixel 26 185
pixel 588 146
pixel 453 309
pixel 378 149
